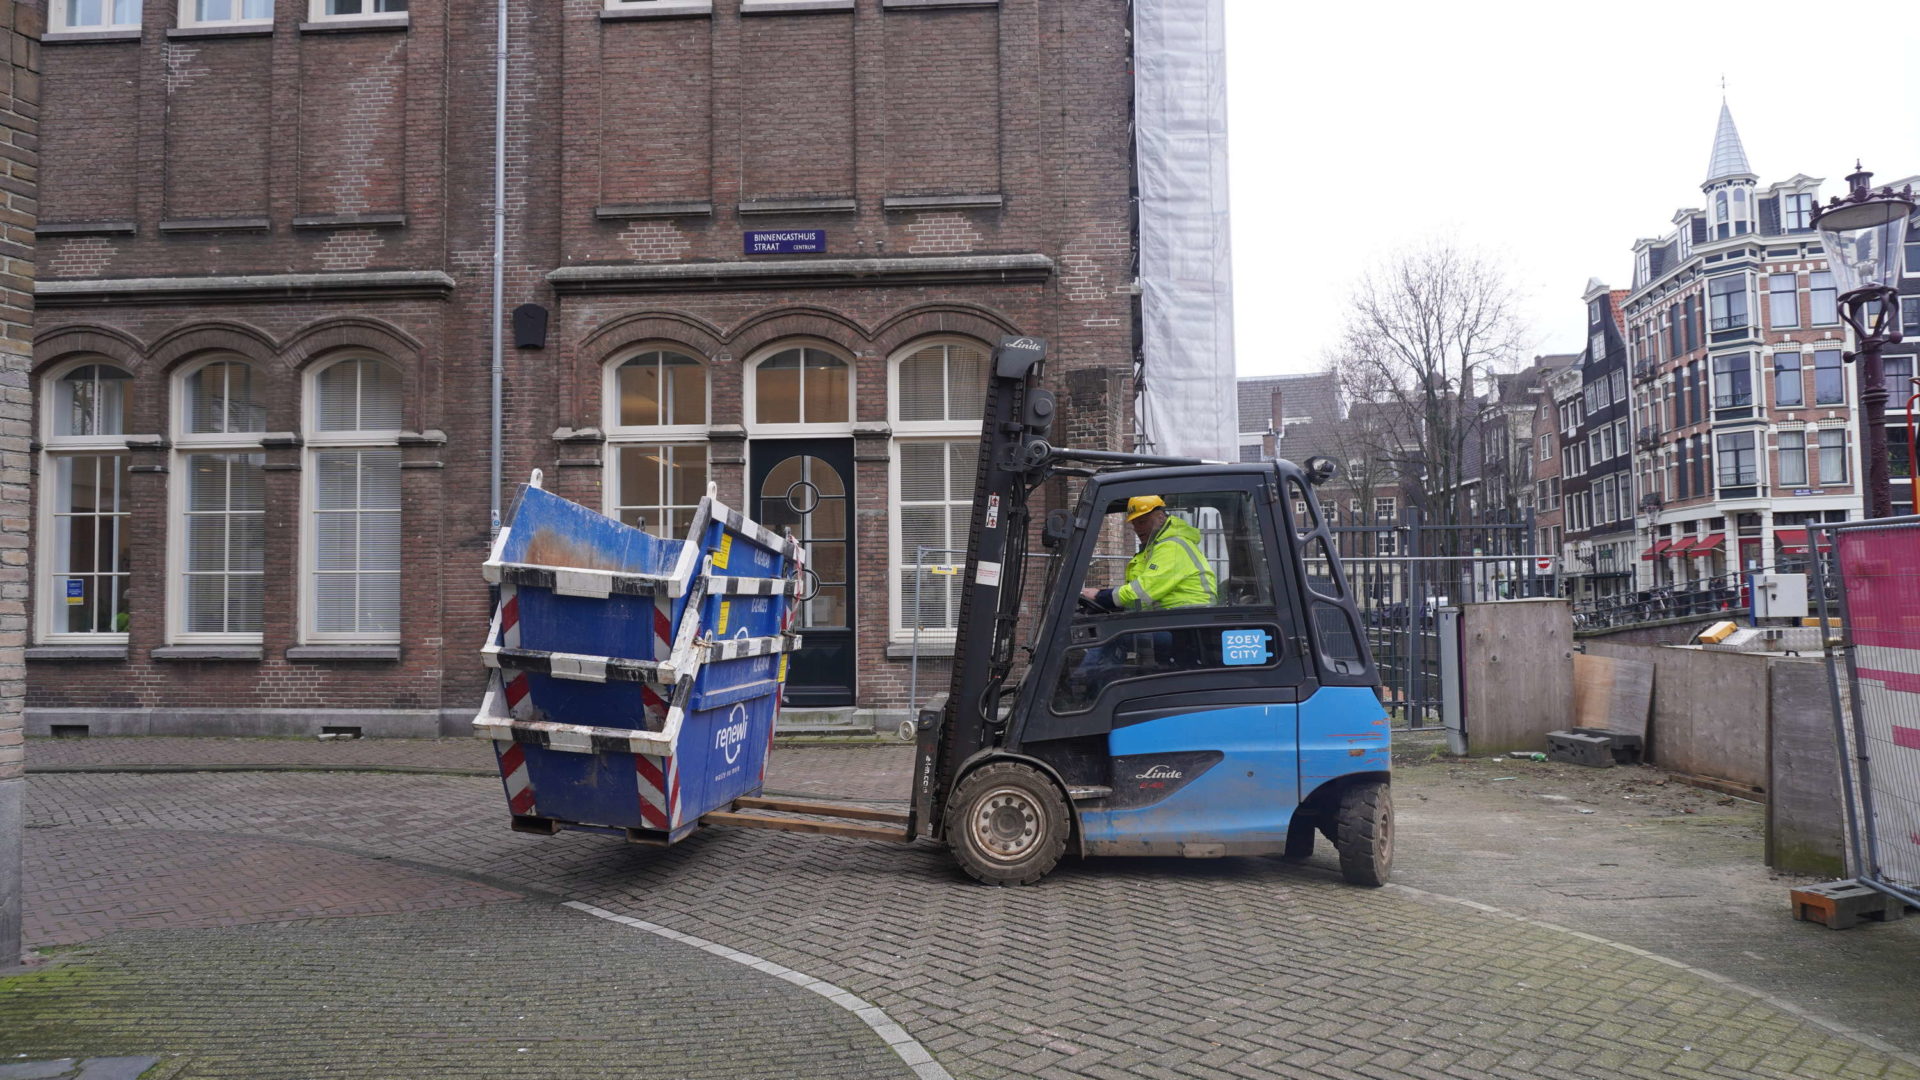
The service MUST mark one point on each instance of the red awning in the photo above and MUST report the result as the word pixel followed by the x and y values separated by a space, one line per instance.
pixel 1794 541
pixel 1709 545
pixel 1654 551
pixel 1679 546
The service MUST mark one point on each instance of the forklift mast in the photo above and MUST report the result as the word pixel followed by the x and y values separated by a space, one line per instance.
pixel 1015 459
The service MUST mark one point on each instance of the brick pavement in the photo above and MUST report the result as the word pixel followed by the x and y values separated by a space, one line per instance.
pixel 524 989
pixel 1158 968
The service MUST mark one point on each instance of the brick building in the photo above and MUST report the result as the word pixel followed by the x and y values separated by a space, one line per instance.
pixel 1596 474
pixel 20 28
pixel 1744 404
pixel 263 358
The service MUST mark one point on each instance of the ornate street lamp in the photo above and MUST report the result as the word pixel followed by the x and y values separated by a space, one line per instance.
pixel 1865 235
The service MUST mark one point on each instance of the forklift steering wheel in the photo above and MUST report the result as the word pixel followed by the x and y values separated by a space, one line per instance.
pixel 1087 607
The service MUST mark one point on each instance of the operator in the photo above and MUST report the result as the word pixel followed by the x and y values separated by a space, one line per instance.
pixel 1168 571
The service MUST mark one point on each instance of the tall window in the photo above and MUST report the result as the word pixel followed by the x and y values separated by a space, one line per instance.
pixel 1910 316
pixel 1732 381
pixel 352 538
pixel 220 503
pixel 802 386
pixel 1737 465
pixel 1833 455
pixel 1783 301
pixel 1896 374
pixel 656 422
pixel 1826 307
pixel 1829 386
pixel 1787 387
pixel 224 12
pixel 938 393
pixel 1793 459
pixel 84 538
pixel 1727 302
pixel 80 15
pixel 1797 211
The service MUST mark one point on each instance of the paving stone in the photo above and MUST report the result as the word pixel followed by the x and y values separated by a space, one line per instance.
pixel 38 1070
pixel 115 1068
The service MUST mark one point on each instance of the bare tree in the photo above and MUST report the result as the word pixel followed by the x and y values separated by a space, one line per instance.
pixel 1426 334
pixel 1360 441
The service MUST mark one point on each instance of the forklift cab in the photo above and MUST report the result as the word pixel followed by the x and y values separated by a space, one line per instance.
pixel 1236 726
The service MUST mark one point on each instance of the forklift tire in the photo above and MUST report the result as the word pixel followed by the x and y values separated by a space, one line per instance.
pixel 1007 824
pixel 1363 833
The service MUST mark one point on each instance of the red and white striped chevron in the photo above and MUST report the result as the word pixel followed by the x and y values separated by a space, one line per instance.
pixel 659 785
pixel 513 769
pixel 515 686
pixel 653 704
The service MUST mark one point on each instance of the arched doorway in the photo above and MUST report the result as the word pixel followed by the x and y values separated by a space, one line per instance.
pixel 791 476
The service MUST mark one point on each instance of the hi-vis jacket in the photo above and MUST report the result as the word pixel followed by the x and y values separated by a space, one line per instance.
pixel 1169 572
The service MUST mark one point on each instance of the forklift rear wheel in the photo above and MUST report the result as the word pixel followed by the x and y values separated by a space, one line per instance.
pixel 1007 824
pixel 1363 833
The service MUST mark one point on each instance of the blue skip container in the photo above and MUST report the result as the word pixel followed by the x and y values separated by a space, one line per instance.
pixel 636 679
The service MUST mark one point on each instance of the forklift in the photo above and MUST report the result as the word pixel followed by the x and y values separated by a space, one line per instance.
pixel 1240 727
pixel 637 678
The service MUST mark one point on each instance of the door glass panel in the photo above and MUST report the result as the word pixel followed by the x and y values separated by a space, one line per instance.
pixel 1141 654
pixel 823 531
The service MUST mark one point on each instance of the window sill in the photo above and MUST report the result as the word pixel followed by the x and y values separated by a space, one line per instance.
pixel 350 221
pixel 943 202
pixel 85 228
pixel 355 26
pixel 206 225
pixel 798 206
pixel 362 653
pixel 89 37
pixel 658 9
pixel 794 7
pixel 922 5
pixel 261 29
pixel 77 652
pixel 929 650
pixel 642 211
pixel 208 652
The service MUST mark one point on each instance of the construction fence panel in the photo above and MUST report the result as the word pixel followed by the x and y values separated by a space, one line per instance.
pixel 1876 694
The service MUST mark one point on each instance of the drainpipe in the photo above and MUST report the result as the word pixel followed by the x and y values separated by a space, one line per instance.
pixel 497 310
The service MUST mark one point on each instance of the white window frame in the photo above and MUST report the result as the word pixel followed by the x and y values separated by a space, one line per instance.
pixel 917 431
pixel 1782 453
pixel 317 12
pixel 749 391
pixel 52 448
pixel 185 445
pixel 620 436
pixel 316 442
pixel 189 8
pixel 57 18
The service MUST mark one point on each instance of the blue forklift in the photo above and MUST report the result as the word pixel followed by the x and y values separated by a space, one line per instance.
pixel 1241 726
pixel 638 678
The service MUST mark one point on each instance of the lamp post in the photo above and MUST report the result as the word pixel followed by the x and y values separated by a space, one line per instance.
pixel 1865 236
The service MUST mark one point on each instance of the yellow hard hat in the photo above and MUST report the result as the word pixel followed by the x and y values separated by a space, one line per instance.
pixel 1141 505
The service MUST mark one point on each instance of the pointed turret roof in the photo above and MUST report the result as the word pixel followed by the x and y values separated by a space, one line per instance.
pixel 1729 157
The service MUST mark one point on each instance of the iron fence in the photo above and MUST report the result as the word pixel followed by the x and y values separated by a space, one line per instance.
pixel 1718 596
pixel 1869 596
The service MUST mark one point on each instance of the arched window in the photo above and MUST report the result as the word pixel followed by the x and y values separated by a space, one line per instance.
pixel 656 423
pixel 802 386
pixel 219 498
pixel 351 544
pixel 939 391
pixel 83 517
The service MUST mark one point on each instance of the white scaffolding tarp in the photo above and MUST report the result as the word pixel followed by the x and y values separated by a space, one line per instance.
pixel 1188 405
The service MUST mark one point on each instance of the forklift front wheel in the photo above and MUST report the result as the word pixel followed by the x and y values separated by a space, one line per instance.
pixel 1363 832
pixel 1007 824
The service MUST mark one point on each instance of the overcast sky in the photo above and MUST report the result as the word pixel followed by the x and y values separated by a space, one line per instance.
pixel 1550 136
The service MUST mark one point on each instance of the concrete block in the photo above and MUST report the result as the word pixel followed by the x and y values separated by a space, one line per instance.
pixel 1840 905
pixel 1576 748
pixel 1628 749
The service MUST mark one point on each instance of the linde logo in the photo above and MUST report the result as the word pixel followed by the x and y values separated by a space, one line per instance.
pixel 1159 772
pixel 1025 343
pixel 729 738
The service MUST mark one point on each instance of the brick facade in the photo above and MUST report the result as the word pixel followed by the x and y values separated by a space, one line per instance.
pixel 309 192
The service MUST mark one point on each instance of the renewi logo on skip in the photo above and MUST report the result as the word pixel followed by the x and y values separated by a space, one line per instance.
pixel 731 736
